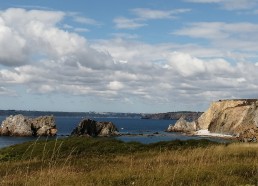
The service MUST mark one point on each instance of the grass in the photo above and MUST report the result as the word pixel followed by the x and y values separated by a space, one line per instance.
pixel 104 161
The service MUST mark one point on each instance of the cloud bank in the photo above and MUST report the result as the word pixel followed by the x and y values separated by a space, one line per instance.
pixel 39 55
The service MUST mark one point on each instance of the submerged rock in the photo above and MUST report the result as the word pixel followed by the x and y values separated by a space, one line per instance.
pixel 20 125
pixel 88 127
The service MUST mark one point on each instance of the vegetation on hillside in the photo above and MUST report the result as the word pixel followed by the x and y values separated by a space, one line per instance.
pixel 105 161
pixel 188 115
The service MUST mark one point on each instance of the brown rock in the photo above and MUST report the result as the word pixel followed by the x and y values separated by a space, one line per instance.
pixel 88 127
pixel 44 126
pixel 249 135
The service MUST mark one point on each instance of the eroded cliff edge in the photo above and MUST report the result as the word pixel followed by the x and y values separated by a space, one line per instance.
pixel 235 117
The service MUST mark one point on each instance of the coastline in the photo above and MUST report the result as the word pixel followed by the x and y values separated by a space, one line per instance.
pixel 205 132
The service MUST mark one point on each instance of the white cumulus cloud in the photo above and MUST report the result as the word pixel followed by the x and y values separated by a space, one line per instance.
pixel 45 59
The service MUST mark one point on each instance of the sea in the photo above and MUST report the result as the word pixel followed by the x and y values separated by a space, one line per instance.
pixel 133 129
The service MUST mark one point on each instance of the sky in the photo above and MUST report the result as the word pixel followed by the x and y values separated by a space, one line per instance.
pixel 143 56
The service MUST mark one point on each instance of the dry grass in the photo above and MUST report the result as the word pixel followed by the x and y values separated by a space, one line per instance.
pixel 211 164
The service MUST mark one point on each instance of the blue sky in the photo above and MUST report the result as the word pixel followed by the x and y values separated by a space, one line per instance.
pixel 127 55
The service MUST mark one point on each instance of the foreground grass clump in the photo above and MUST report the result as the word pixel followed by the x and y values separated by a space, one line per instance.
pixel 103 161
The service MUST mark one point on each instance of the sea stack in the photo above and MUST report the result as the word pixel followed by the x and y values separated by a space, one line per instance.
pixel 20 125
pixel 92 128
pixel 182 125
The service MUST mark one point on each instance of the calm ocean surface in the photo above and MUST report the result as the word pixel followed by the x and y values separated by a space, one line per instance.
pixel 146 127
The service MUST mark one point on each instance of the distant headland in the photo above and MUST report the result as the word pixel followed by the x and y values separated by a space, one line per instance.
pixel 162 116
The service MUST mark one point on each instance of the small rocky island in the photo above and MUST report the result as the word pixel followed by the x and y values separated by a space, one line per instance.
pixel 92 128
pixel 20 125
pixel 238 118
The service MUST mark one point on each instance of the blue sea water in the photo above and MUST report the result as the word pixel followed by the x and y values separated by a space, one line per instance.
pixel 145 127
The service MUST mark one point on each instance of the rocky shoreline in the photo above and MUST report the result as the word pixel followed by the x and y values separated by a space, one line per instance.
pixel 238 118
pixel 235 119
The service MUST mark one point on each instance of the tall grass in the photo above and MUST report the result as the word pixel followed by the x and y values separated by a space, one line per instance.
pixel 82 161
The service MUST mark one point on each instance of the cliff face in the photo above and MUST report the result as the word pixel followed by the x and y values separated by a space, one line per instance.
pixel 234 117
pixel 230 116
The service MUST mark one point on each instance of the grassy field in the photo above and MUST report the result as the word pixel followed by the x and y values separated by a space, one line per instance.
pixel 104 161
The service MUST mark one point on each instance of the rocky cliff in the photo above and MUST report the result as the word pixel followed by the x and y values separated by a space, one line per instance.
pixel 88 127
pixel 234 117
pixel 20 125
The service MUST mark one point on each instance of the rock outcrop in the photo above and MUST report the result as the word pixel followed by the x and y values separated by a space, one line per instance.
pixel 20 125
pixel 249 135
pixel 235 117
pixel 88 127
pixel 182 126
